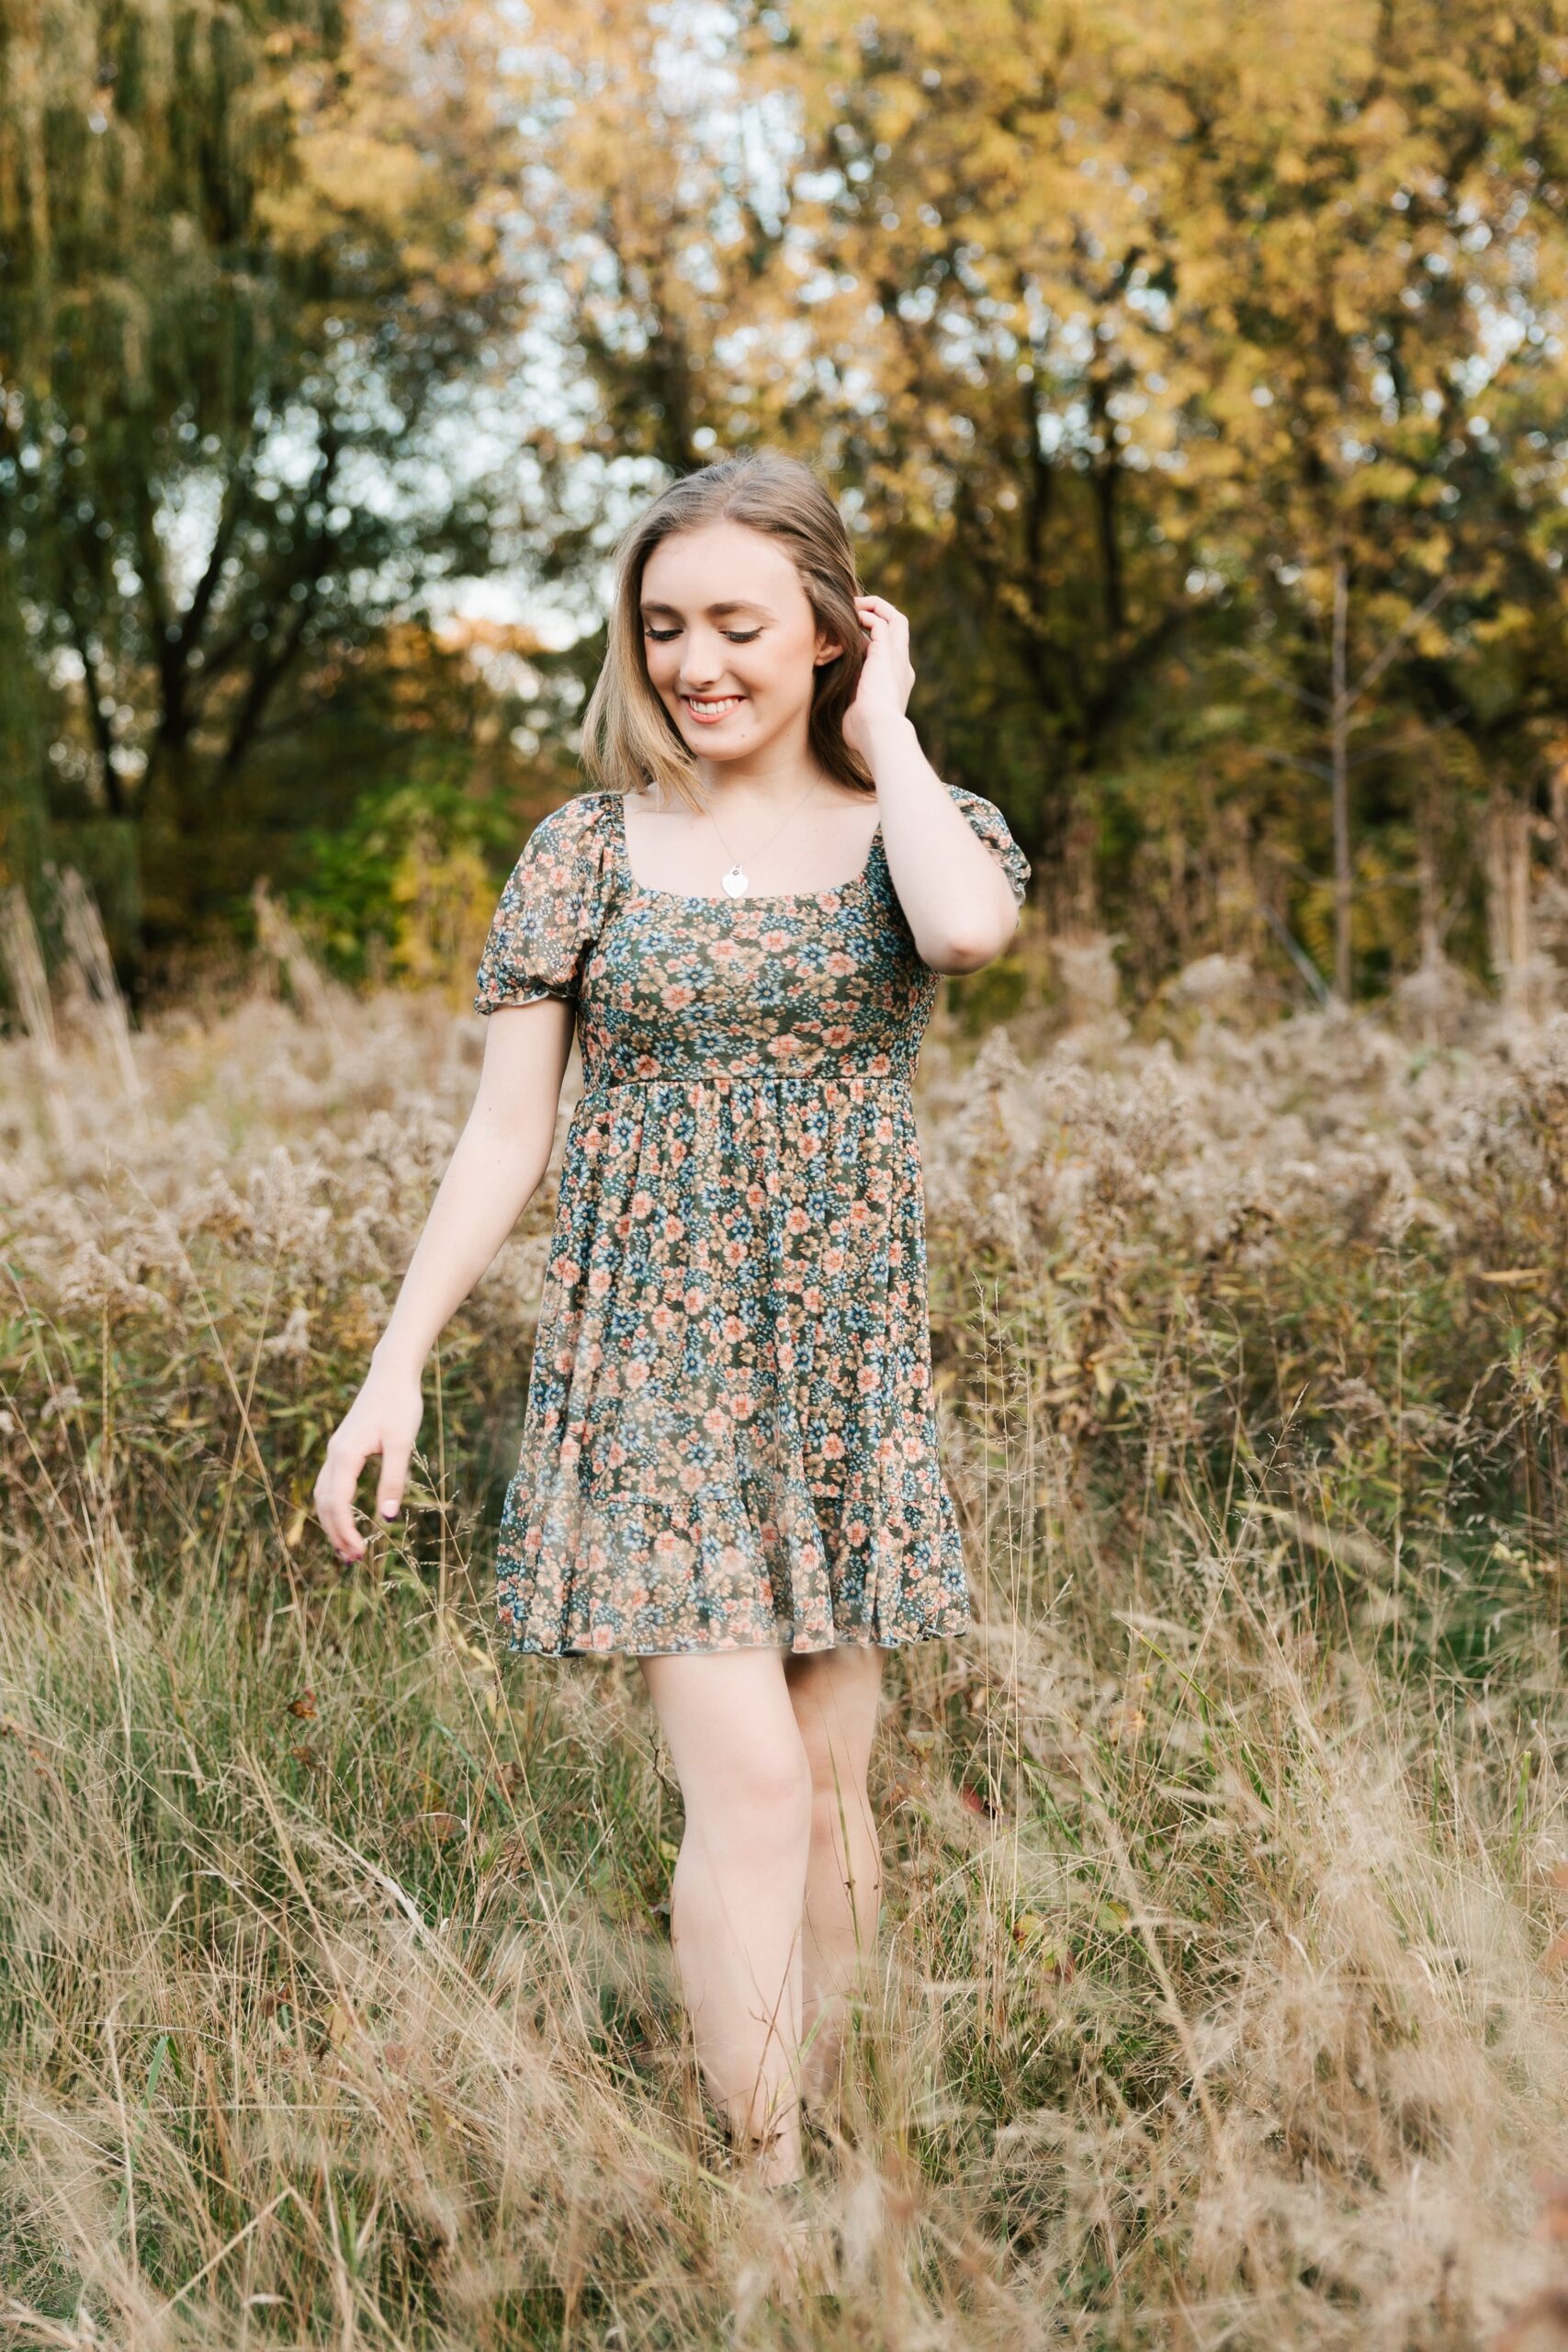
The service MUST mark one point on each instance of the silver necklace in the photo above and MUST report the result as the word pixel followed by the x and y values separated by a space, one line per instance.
pixel 735 881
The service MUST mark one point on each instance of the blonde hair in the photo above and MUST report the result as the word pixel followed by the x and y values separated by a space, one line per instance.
pixel 629 736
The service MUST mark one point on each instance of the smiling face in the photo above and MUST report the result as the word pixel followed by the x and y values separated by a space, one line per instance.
pixel 731 643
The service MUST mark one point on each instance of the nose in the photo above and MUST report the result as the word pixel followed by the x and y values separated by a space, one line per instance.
pixel 704 663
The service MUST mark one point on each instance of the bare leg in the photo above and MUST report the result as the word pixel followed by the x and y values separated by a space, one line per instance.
pixel 739 1885
pixel 835 1695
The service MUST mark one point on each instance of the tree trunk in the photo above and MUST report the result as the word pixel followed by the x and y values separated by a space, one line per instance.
pixel 1523 977
pixel 1339 761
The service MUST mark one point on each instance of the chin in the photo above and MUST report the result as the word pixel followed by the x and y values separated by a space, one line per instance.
pixel 698 737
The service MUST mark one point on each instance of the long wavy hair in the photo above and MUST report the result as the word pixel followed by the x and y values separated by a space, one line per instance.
pixel 628 736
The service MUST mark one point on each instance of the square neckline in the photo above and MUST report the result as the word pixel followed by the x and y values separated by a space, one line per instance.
pixel 723 898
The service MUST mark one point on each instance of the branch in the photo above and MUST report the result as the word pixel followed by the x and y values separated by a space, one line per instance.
pixel 1293 760
pixel 102 731
pixel 1275 677
pixel 286 576
pixel 236 494
pixel 1297 955
pixel 270 669
pixel 1380 662
pixel 1436 726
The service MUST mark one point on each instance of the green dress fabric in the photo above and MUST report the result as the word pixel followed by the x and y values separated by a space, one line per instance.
pixel 729 1439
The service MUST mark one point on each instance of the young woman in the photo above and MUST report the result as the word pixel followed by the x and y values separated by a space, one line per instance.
pixel 728 1462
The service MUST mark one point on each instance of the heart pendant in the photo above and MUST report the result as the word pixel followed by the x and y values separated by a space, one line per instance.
pixel 735 882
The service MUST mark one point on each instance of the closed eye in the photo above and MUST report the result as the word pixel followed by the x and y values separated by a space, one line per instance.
pixel 662 635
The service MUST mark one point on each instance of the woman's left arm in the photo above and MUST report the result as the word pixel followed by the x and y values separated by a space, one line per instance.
pixel 957 900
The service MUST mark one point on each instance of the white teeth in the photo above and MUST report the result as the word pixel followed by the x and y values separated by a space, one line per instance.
pixel 723 702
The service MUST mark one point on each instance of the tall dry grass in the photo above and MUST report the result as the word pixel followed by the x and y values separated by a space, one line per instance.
pixel 1219 1999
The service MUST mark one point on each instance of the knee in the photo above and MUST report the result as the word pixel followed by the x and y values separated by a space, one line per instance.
pixel 763 1801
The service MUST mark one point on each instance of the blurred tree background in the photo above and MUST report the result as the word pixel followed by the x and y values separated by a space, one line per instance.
pixel 1192 373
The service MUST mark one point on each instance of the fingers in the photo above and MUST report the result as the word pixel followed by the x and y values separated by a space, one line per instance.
pixel 393 1479
pixel 335 1483
pixel 338 1480
pixel 383 1422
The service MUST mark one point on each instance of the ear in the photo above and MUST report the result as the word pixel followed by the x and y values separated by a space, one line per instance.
pixel 827 651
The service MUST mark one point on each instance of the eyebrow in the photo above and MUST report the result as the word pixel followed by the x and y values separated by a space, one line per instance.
pixel 734 605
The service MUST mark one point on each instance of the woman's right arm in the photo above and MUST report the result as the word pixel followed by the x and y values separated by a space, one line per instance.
pixel 496 1169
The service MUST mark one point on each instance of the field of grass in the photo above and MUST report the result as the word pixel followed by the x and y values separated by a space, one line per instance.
pixel 1219 1998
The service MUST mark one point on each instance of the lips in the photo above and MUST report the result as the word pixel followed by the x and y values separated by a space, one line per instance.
pixel 709 710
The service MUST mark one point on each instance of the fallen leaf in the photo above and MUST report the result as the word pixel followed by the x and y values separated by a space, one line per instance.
pixel 304 1705
pixel 1048 1955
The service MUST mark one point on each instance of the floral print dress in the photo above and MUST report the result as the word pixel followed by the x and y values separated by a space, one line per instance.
pixel 729 1439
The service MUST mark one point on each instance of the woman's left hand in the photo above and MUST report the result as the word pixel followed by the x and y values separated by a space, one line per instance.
pixel 886 675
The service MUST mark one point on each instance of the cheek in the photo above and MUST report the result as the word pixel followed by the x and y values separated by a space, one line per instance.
pixel 791 671
pixel 767 681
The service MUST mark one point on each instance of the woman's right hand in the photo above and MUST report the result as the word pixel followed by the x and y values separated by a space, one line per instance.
pixel 384 1418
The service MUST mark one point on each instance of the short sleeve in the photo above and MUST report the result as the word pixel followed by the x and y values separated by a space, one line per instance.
pixel 550 910
pixel 992 827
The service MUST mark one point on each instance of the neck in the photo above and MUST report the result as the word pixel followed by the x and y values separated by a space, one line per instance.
pixel 774 776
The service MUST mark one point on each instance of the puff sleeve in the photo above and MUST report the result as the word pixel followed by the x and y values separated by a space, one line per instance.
pixel 987 820
pixel 550 910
